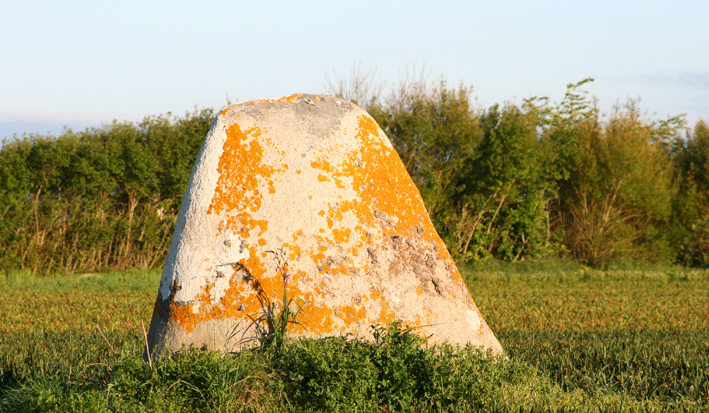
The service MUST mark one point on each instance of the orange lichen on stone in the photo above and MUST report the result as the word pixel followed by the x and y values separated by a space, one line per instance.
pixel 322 165
pixel 374 177
pixel 395 189
pixel 352 314
pixel 317 319
pixel 342 236
pixel 240 299
pixel 240 168
pixel 386 315
pixel 290 98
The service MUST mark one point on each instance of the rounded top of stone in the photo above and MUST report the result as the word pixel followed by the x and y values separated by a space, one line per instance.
pixel 301 102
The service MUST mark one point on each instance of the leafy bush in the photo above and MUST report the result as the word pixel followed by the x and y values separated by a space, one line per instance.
pixel 397 373
pixel 691 204
pixel 101 198
pixel 508 182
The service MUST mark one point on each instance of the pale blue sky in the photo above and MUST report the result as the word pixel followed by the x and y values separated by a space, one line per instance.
pixel 80 63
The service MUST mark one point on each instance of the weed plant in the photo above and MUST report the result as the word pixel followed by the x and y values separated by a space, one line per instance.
pixel 273 324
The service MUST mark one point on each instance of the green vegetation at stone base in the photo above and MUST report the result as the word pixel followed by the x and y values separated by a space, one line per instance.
pixel 581 340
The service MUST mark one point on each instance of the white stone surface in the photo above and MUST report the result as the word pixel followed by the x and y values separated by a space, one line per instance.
pixel 316 176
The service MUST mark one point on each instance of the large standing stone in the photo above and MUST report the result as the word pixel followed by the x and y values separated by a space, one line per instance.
pixel 318 177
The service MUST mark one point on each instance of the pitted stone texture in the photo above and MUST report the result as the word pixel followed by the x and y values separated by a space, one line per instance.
pixel 318 177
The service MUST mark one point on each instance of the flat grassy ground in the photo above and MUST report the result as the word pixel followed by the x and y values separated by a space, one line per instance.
pixel 50 324
pixel 642 334
pixel 577 340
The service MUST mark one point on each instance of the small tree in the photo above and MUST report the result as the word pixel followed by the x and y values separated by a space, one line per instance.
pixel 616 202
pixel 691 203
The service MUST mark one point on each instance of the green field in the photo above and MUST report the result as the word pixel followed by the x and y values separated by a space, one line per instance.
pixel 577 340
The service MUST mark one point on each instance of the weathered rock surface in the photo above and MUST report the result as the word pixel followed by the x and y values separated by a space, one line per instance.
pixel 318 177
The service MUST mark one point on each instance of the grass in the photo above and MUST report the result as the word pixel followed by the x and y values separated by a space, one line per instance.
pixel 641 334
pixel 576 339
pixel 49 325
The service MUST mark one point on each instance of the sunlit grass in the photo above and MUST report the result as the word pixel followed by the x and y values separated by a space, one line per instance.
pixel 577 339
pixel 638 333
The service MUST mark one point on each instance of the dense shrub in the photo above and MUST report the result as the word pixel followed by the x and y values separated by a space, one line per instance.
pixel 510 182
pixel 397 371
pixel 100 198
pixel 691 204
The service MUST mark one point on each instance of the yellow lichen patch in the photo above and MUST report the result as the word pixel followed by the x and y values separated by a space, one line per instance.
pixel 322 165
pixel 340 269
pixel 384 182
pixel 393 189
pixel 342 236
pixel 352 314
pixel 290 98
pixel 263 284
pixel 386 315
pixel 243 224
pixel 294 247
pixel 246 296
pixel 325 166
pixel 428 315
pixel 240 168
pixel 316 319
